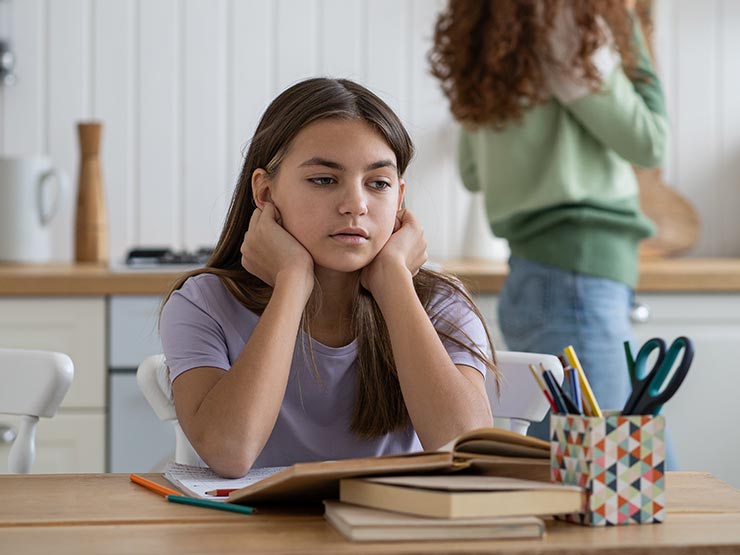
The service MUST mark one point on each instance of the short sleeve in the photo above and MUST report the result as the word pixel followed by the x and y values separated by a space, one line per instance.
pixel 191 336
pixel 451 314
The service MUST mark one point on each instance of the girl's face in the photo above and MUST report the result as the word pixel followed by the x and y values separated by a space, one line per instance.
pixel 337 191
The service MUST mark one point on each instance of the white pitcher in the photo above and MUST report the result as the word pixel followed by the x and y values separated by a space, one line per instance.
pixel 31 192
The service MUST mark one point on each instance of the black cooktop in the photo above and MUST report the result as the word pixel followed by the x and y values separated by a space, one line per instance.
pixel 165 256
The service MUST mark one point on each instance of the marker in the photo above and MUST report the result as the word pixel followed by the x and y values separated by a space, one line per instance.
pixel 210 504
pixel 148 484
pixel 575 388
pixel 589 400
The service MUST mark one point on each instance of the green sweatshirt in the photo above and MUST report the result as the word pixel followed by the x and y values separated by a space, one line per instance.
pixel 559 185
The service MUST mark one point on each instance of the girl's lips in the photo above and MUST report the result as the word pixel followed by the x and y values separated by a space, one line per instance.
pixel 349 238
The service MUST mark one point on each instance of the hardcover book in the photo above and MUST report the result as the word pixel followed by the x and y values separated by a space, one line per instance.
pixel 363 524
pixel 462 496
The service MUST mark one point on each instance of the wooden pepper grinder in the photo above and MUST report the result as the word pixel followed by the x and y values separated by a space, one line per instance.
pixel 91 228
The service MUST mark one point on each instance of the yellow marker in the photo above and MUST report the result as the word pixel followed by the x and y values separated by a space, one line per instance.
pixel 591 407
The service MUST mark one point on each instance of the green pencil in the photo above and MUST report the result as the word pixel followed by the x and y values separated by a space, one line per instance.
pixel 210 504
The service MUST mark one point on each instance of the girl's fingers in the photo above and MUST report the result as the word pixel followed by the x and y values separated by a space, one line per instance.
pixel 269 210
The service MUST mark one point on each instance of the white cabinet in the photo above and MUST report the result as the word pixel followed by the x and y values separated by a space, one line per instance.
pixel 69 442
pixel 74 440
pixel 137 440
pixel 704 416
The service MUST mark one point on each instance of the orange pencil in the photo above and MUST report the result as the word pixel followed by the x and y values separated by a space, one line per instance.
pixel 156 488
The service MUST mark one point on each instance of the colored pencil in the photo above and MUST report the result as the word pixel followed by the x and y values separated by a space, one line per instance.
pixel 543 387
pixel 589 400
pixel 555 392
pixel 221 492
pixel 148 484
pixel 220 505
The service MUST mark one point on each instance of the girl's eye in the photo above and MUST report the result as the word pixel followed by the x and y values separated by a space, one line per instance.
pixel 380 185
pixel 322 180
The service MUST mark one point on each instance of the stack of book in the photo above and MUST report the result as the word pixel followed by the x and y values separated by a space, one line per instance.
pixel 452 506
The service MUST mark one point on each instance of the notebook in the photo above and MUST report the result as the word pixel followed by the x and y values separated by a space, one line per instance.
pixel 195 481
pixel 363 524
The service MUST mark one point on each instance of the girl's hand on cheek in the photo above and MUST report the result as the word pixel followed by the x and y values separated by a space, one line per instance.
pixel 405 251
pixel 269 250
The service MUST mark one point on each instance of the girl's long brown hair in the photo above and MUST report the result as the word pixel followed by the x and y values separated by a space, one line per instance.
pixel 488 54
pixel 379 406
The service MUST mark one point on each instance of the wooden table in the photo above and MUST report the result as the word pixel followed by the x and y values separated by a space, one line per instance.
pixel 105 513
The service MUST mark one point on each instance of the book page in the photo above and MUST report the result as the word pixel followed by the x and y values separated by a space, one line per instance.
pixel 495 441
pixel 195 481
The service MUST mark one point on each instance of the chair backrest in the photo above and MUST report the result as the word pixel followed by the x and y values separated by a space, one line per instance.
pixel 519 403
pixel 153 378
pixel 520 400
pixel 32 385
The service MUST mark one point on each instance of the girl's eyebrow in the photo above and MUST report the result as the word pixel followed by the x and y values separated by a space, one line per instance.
pixel 318 161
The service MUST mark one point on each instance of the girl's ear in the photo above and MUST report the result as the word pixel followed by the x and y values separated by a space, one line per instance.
pixel 401 193
pixel 261 188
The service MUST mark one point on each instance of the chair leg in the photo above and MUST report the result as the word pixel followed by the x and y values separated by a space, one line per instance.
pixel 23 451
pixel 519 425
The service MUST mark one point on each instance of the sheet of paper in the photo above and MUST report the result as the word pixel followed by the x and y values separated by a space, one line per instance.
pixel 196 481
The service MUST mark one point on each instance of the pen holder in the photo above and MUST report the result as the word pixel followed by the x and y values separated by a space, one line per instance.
pixel 619 461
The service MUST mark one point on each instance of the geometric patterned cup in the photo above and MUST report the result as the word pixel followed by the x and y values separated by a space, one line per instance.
pixel 619 461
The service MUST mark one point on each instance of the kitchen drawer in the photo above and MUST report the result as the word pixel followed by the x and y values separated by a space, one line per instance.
pixel 68 442
pixel 133 331
pixel 68 325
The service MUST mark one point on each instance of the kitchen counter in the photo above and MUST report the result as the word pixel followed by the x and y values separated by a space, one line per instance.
pixel 656 275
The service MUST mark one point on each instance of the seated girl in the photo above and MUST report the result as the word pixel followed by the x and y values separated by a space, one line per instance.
pixel 313 332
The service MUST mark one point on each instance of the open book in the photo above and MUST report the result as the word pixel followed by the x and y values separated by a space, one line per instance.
pixel 488 450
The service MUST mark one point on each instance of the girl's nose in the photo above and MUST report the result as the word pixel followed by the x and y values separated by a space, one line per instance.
pixel 354 200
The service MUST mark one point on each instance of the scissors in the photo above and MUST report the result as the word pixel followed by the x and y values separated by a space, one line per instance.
pixel 648 393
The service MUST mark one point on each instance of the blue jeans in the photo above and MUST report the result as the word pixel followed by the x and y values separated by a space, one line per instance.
pixel 543 309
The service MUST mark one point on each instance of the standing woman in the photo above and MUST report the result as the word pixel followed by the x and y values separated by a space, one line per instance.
pixel 557 101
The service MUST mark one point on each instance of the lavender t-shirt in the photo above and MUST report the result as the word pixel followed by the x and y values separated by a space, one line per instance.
pixel 202 324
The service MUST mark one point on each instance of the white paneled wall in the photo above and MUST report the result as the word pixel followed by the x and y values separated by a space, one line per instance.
pixel 180 85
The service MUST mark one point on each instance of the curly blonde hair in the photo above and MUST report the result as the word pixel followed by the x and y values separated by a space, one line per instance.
pixel 488 54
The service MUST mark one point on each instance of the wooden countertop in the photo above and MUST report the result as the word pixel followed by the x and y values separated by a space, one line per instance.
pixel 689 275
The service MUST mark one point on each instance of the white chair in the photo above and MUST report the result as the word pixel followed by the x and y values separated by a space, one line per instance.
pixel 153 378
pixel 520 403
pixel 32 385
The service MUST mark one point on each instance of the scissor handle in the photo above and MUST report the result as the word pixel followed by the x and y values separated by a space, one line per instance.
pixel 651 399
pixel 638 367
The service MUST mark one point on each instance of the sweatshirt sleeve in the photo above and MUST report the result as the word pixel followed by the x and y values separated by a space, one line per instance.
pixel 628 117
pixel 466 163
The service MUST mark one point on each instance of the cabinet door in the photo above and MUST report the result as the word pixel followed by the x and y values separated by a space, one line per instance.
pixel 488 306
pixel 703 416
pixel 72 326
pixel 133 332
pixel 69 442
